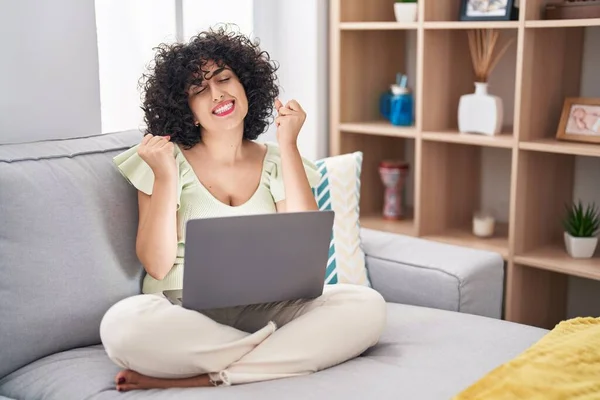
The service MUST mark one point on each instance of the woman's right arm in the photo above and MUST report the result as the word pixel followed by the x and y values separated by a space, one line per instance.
pixel 156 243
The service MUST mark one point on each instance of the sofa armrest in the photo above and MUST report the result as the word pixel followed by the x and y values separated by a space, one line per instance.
pixel 420 272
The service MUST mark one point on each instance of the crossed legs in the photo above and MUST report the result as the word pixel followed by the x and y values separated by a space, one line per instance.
pixel 162 345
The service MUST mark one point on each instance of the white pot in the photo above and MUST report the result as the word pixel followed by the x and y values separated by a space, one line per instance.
pixel 480 112
pixel 578 247
pixel 483 225
pixel 405 12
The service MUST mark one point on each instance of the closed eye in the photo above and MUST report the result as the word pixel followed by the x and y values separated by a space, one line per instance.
pixel 202 89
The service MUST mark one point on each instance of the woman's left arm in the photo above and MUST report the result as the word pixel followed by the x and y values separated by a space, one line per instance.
pixel 298 193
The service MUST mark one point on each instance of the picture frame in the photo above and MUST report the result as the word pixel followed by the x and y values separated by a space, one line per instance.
pixel 487 10
pixel 580 120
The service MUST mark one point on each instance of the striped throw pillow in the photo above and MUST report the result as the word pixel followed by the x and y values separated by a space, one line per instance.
pixel 339 190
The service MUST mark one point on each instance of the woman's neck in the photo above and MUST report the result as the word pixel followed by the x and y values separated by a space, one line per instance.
pixel 225 148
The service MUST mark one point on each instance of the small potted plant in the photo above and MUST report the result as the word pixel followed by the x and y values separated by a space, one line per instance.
pixel 405 10
pixel 581 226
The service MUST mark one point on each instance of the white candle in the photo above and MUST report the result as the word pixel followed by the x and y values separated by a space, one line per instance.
pixel 483 225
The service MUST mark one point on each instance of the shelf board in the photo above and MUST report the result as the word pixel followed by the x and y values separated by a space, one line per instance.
pixel 376 222
pixel 505 140
pixel 464 237
pixel 562 23
pixel 380 128
pixel 471 25
pixel 555 258
pixel 550 145
pixel 377 26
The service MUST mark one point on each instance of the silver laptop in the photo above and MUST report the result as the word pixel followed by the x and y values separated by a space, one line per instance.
pixel 254 259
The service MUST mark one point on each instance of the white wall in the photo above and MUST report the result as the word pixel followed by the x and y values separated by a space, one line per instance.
pixel 295 35
pixel 49 71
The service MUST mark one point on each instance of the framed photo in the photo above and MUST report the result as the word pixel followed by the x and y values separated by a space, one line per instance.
pixel 486 10
pixel 580 120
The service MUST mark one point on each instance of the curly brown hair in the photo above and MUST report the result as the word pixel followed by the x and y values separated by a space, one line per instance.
pixel 177 66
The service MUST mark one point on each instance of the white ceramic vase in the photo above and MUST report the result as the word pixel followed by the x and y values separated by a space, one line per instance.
pixel 405 12
pixel 580 247
pixel 480 112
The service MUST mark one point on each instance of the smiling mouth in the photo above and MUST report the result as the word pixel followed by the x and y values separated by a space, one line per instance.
pixel 224 108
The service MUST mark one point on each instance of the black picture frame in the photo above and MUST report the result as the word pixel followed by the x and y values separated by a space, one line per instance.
pixel 511 13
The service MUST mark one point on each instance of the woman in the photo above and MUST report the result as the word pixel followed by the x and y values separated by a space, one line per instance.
pixel 205 104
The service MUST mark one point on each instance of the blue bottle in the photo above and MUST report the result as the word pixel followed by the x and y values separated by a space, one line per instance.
pixel 397 105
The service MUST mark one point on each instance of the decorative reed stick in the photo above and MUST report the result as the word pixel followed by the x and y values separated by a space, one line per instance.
pixel 481 44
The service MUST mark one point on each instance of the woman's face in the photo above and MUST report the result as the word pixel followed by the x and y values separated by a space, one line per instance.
pixel 220 102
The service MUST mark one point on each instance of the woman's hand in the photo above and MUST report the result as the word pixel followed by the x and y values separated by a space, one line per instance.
pixel 289 121
pixel 298 193
pixel 157 152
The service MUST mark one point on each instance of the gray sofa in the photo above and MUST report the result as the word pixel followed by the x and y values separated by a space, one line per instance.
pixel 67 234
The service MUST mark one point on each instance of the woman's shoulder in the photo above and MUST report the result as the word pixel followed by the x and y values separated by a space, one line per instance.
pixel 273 171
pixel 139 174
pixel 273 155
pixel 134 169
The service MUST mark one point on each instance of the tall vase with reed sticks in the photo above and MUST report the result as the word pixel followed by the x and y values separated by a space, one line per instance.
pixel 481 112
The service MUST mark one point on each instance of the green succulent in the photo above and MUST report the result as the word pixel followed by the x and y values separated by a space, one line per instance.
pixel 581 222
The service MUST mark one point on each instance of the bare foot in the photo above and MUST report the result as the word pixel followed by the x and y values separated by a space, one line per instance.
pixel 130 380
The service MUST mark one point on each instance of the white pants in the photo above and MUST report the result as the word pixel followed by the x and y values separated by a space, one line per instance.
pixel 149 335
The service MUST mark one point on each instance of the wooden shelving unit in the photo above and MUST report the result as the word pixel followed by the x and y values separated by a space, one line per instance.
pixel 404 227
pixel 379 128
pixel 550 145
pixel 565 23
pixel 374 26
pixel 470 24
pixel 504 140
pixel 543 66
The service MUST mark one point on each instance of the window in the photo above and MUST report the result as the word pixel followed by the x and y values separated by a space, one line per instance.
pixel 199 15
pixel 127 33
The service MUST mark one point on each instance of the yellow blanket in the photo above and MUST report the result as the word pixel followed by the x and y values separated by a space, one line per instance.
pixel 564 364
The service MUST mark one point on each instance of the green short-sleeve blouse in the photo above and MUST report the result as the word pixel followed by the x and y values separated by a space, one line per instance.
pixel 195 201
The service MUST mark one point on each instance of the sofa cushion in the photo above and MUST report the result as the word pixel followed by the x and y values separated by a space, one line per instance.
pixel 339 190
pixel 423 354
pixel 67 243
